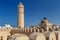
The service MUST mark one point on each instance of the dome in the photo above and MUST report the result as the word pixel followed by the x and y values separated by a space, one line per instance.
pixel 34 35
pixel 19 37
pixel 37 36
pixel 44 20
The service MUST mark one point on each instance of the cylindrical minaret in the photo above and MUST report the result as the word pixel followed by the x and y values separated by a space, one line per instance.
pixel 20 23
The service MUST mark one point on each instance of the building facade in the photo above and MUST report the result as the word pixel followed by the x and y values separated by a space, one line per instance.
pixel 44 31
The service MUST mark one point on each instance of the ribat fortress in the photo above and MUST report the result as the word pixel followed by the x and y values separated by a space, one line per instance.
pixel 43 31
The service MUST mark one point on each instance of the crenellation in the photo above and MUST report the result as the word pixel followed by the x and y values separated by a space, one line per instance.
pixel 25 29
pixel 28 29
pixel 34 29
pixel 42 30
pixel 38 30
pixel 31 30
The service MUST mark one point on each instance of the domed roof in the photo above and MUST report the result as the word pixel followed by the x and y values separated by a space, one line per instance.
pixel 44 20
pixel 34 35
pixel 20 37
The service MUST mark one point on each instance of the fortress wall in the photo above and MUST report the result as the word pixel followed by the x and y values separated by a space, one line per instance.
pixel 55 35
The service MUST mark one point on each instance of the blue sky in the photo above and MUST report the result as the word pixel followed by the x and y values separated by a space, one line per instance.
pixel 35 11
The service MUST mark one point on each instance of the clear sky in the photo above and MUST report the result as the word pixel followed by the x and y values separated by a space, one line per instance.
pixel 35 10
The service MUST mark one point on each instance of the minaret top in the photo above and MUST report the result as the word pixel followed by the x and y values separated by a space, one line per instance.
pixel 20 5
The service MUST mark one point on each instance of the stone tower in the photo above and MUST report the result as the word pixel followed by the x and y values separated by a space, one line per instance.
pixel 20 23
